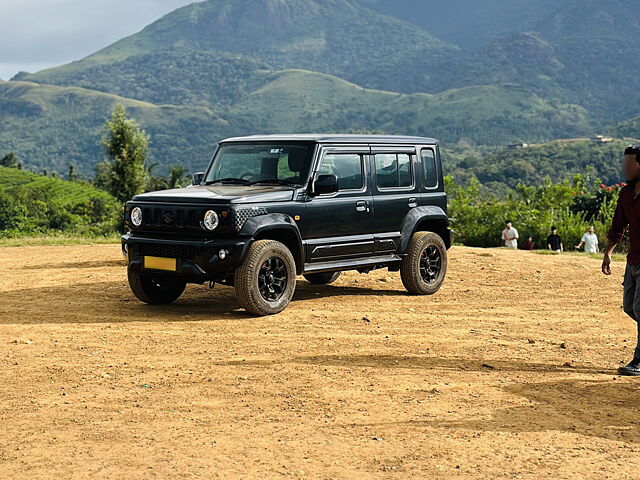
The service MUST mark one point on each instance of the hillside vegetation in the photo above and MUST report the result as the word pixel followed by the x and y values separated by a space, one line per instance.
pixel 557 160
pixel 37 204
pixel 52 127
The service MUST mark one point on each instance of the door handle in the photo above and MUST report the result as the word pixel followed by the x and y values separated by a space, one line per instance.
pixel 413 202
pixel 361 206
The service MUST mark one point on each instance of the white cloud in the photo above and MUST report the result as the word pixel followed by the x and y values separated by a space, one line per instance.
pixel 36 34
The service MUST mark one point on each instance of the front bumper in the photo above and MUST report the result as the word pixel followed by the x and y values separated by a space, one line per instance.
pixel 198 261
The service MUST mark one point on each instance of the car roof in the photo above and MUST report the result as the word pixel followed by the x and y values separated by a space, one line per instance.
pixel 335 138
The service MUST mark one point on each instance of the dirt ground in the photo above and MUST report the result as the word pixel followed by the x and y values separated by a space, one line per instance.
pixel 508 372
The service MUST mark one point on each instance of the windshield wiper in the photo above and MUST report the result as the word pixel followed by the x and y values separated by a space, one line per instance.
pixel 231 181
pixel 274 181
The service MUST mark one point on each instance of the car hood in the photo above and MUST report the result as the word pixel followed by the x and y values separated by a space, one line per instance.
pixel 220 194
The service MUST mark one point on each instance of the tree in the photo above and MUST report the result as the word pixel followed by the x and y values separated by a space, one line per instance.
pixel 127 146
pixel 72 175
pixel 177 177
pixel 154 182
pixel 10 160
pixel 102 178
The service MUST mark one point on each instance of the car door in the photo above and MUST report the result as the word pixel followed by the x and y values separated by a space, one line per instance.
pixel 395 192
pixel 339 225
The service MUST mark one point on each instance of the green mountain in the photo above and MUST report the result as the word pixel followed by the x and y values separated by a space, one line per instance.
pixel 480 73
pixel 467 23
pixel 575 51
pixel 337 37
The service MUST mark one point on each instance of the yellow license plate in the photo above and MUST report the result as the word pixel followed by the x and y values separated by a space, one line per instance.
pixel 158 263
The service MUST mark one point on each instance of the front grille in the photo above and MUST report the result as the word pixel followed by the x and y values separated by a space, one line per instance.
pixel 167 251
pixel 171 218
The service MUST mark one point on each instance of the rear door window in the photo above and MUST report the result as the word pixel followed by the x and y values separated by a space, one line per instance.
pixel 393 170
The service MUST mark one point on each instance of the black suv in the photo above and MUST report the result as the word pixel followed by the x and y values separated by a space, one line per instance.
pixel 272 207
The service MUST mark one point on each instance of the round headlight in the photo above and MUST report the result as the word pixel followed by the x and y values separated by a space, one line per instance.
pixel 136 216
pixel 210 221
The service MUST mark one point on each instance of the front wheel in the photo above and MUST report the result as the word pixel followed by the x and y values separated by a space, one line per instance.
pixel 425 266
pixel 154 290
pixel 324 278
pixel 266 280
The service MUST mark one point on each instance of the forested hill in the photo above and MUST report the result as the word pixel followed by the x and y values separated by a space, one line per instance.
pixel 469 72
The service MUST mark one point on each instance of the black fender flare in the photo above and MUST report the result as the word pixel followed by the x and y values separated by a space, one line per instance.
pixel 272 222
pixel 418 215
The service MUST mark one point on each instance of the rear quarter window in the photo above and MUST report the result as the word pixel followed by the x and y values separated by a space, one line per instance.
pixel 429 167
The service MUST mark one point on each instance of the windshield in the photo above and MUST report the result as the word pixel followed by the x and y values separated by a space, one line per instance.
pixel 256 163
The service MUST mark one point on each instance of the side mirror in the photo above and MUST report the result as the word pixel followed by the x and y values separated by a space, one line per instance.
pixel 197 178
pixel 325 184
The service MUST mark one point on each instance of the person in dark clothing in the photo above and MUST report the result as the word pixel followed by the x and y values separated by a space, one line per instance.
pixel 554 242
pixel 627 218
pixel 529 245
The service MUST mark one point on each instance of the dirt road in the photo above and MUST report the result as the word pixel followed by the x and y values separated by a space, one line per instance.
pixel 508 372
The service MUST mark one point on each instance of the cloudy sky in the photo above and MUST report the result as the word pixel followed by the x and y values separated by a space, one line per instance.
pixel 37 34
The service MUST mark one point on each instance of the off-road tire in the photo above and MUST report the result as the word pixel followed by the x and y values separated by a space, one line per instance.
pixel 154 290
pixel 324 278
pixel 249 277
pixel 413 276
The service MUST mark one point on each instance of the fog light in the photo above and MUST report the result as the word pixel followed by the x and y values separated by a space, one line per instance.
pixel 222 254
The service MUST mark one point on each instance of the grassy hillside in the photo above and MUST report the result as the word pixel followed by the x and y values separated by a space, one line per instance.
pixel 52 127
pixel 37 204
pixel 302 101
pixel 57 190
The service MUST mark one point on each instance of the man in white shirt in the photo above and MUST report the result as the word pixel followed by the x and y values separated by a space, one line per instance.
pixel 590 242
pixel 510 235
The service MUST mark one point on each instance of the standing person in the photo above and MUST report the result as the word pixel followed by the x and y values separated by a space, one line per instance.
pixel 590 242
pixel 529 245
pixel 627 217
pixel 554 242
pixel 510 235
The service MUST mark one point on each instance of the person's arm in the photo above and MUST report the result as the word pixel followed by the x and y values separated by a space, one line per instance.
pixel 606 261
pixel 616 232
pixel 561 248
pixel 579 246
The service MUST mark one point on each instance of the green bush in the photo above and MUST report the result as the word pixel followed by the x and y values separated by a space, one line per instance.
pixel 478 216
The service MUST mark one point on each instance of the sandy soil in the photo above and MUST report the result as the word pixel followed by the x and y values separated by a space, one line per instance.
pixel 508 372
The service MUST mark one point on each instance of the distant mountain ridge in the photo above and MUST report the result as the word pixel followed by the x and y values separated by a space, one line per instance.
pixel 472 72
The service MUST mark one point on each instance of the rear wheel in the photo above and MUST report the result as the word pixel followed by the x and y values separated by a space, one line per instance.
pixel 266 280
pixel 154 290
pixel 324 278
pixel 425 266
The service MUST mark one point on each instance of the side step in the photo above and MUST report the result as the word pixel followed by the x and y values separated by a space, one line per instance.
pixel 340 265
